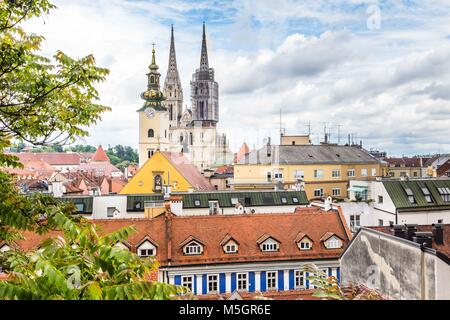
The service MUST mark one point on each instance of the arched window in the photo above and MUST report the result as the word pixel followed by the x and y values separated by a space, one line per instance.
pixel 152 79
pixel 157 183
pixel 150 133
pixel 181 138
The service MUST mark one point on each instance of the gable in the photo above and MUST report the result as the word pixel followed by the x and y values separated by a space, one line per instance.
pixel 143 181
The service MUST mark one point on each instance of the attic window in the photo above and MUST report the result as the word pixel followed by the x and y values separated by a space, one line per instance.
pixel 231 248
pixel 270 245
pixel 247 201
pixel 333 243
pixel 234 200
pixel 197 202
pixel 427 194
pixel 283 200
pixel 138 205
pixel 193 248
pixel 410 195
pixel 294 199
pixel 445 193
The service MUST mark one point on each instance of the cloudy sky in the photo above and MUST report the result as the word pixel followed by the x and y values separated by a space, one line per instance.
pixel 379 70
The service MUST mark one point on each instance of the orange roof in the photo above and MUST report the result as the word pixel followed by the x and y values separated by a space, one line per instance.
pixel 52 158
pixel 273 295
pixel 100 155
pixel 188 171
pixel 242 152
pixel 211 230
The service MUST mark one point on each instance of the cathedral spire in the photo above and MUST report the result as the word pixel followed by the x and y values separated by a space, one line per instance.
pixel 204 66
pixel 172 70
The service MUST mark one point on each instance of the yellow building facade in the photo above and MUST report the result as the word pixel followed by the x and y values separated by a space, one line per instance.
pixel 166 172
pixel 316 168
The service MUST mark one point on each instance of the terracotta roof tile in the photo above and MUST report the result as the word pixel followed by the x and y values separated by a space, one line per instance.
pixel 100 155
pixel 52 158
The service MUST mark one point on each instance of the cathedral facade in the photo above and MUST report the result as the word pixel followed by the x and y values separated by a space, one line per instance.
pixel 164 124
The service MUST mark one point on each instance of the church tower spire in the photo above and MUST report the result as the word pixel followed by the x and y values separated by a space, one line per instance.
pixel 204 65
pixel 173 91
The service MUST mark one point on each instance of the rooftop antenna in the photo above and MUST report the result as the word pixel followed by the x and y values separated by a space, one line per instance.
pixel 339 133
pixel 281 132
pixel 309 128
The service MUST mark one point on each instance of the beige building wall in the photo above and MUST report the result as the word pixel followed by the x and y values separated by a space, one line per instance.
pixel 315 176
pixel 160 125
pixel 295 140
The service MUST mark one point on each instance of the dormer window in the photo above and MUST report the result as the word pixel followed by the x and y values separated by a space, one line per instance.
pixel 283 200
pixel 410 195
pixel 294 199
pixel 268 244
pixel 445 194
pixel 146 249
pixel 331 241
pixel 229 245
pixel 192 249
pixel 197 202
pixel 192 246
pixel 303 241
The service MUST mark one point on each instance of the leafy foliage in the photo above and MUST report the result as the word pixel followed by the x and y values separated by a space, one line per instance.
pixel 81 264
pixel 42 102
pixel 328 287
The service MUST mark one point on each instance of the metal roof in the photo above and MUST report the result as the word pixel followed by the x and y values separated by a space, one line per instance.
pixel 263 198
pixel 309 154
pixel 397 192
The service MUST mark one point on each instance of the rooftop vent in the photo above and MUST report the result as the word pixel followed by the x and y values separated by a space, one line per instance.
pixel 423 238
pixel 400 231
pixel 438 233
pixel 410 230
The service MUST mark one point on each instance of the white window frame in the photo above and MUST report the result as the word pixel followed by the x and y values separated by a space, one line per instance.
pixel 374 172
pixel 305 245
pixel 188 281
pixel 228 247
pixel 146 248
pixel 364 172
pixel 299 174
pixel 351 173
pixel 335 173
pixel 189 248
pixel 273 277
pixel 334 243
pixel 242 281
pixel 319 173
pixel 355 222
pixel 321 192
pixel 336 191
pixel 214 208
pixel 212 281
pixel 299 279
pixel 270 245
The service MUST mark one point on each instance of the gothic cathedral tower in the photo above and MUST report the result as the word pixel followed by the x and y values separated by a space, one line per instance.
pixel 153 117
pixel 204 91
pixel 173 91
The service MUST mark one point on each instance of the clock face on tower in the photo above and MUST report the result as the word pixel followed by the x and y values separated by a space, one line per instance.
pixel 150 112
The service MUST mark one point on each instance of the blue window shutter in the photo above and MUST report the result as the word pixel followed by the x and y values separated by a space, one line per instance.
pixel 251 287
pixel 233 281
pixel 178 280
pixel 195 284
pixel 280 280
pixel 204 284
pixel 307 280
pixel 263 281
pixel 338 273
pixel 222 282
pixel 330 273
pixel 291 280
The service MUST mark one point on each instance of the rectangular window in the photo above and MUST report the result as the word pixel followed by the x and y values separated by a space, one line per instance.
pixel 283 200
pixel 213 207
pixel 380 199
pixel 355 222
pixel 380 222
pixel 193 248
pixel 278 175
pixel 231 248
pixel 374 172
pixel 110 212
pixel 318 173
pixel 187 281
pixel 350 172
pixel 364 172
pixel 146 252
pixel 270 247
pixel 242 281
pixel 294 199
pixel 271 280
pixel 445 193
pixel 305 245
pixel 336 173
pixel 299 174
pixel 336 191
pixel 318 192
pixel 299 279
pixel 269 176
pixel 213 283
pixel 80 207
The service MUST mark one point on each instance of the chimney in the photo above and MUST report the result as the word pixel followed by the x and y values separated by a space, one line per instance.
pixel 400 231
pixel 328 202
pixel 268 148
pixel 168 222
pixel 438 233
pixel 423 238
pixel 410 229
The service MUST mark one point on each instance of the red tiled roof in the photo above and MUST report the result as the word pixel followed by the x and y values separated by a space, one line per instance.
pixel 52 158
pixel 443 248
pixel 246 229
pixel 224 170
pixel 406 162
pixel 101 168
pixel 100 155
pixel 188 171
pixel 242 152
